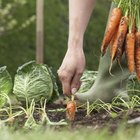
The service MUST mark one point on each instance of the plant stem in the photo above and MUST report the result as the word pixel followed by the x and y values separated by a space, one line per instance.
pixel 88 108
pixel 119 5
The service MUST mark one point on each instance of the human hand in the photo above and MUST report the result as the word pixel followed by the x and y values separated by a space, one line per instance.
pixel 71 70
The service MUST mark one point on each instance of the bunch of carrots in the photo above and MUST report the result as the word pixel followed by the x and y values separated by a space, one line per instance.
pixel 123 34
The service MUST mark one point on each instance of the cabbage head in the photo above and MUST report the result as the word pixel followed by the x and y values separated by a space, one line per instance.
pixel 33 81
pixel 5 85
pixel 87 80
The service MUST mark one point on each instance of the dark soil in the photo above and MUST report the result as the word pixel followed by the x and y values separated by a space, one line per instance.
pixel 95 120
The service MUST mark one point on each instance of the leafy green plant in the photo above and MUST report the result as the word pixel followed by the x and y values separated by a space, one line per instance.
pixel 5 85
pixel 128 106
pixel 33 81
pixel 87 80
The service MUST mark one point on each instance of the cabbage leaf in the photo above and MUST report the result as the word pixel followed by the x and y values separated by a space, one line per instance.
pixel 87 80
pixel 5 85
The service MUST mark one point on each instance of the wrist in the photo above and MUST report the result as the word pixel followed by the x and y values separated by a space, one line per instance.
pixel 75 41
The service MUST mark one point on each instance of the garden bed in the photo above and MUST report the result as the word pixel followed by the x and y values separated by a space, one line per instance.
pixel 95 120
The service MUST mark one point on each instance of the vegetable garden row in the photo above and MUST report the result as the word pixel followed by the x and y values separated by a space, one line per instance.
pixel 34 85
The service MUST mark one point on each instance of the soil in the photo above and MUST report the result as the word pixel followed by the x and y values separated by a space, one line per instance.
pixel 96 120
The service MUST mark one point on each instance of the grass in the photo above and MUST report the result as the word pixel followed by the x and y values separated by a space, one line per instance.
pixel 89 134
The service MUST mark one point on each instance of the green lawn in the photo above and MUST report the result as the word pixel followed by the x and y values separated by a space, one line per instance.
pixel 88 134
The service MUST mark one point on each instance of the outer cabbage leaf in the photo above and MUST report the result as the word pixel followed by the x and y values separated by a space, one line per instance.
pixel 5 85
pixel 33 81
pixel 87 80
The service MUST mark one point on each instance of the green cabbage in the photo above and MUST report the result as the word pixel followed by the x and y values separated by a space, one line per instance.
pixel 33 81
pixel 5 85
pixel 87 80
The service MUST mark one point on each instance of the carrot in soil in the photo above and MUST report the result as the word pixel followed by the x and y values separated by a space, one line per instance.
pixel 70 110
pixel 130 49
pixel 121 35
pixel 137 55
pixel 111 28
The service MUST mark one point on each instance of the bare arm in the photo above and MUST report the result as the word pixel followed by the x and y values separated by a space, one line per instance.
pixel 73 63
pixel 79 15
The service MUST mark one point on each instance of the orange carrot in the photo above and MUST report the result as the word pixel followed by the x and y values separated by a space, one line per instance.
pixel 70 110
pixel 137 55
pixel 116 44
pixel 134 28
pixel 121 35
pixel 130 48
pixel 113 47
pixel 111 28
pixel 111 50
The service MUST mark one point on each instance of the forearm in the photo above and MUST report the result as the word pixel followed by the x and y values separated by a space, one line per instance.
pixel 79 15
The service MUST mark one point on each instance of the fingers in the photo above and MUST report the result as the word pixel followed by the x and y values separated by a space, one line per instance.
pixel 65 78
pixel 70 81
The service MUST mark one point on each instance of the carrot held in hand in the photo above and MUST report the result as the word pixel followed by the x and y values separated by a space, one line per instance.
pixel 111 28
pixel 71 109
pixel 130 48
pixel 137 55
